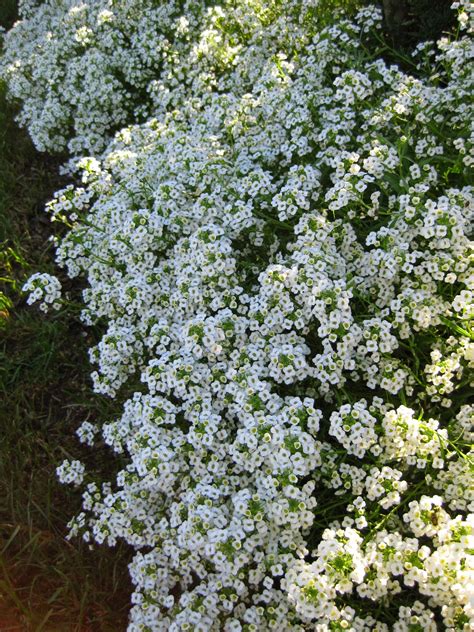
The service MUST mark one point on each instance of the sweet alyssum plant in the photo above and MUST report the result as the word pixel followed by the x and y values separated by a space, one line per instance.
pixel 280 258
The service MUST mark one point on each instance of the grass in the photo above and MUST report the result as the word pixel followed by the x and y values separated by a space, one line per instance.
pixel 46 583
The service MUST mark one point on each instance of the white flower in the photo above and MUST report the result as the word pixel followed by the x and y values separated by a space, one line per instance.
pixel 44 288
pixel 71 472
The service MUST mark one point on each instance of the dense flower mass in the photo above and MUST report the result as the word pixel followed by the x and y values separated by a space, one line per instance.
pixel 280 259
pixel 83 68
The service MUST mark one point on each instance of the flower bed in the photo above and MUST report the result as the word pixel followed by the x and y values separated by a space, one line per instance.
pixel 280 260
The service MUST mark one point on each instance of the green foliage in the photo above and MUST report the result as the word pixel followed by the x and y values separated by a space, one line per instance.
pixel 430 19
pixel 412 21
pixel 8 13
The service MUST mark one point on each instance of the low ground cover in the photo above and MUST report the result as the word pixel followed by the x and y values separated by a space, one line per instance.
pixel 278 284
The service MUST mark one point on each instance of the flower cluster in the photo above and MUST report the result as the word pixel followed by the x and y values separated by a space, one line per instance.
pixel 280 260
pixel 44 288
pixel 71 472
